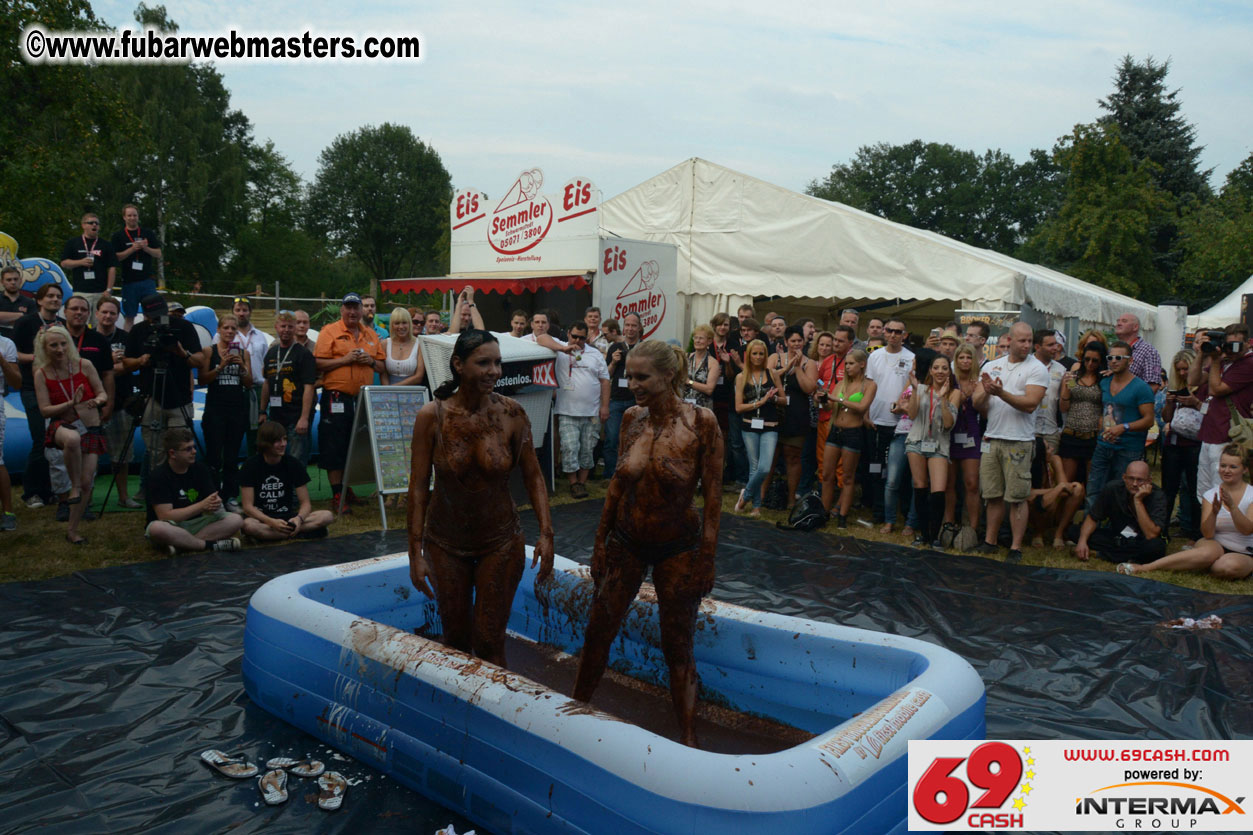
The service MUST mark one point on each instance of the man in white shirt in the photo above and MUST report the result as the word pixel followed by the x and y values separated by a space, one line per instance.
pixel 582 403
pixel 889 368
pixel 255 344
pixel 1046 425
pixel 1011 388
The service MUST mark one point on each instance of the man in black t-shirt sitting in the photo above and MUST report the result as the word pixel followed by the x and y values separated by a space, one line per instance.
pixel 185 512
pixel 287 394
pixel 273 492
pixel 163 349
pixel 1127 521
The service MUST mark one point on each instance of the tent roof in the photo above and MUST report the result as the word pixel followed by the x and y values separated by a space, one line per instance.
pixel 738 235
pixel 1224 312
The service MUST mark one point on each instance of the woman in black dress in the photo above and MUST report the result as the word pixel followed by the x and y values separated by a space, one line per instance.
pixel 800 377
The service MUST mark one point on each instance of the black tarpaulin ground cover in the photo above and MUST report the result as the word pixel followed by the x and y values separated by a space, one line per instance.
pixel 112 681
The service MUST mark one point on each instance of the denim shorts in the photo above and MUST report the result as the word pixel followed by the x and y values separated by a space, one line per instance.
pixel 851 439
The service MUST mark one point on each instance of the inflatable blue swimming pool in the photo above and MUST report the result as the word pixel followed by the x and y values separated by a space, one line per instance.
pixel 336 652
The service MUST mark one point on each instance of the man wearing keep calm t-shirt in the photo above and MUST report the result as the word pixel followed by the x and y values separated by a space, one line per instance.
pixel 1011 388
pixel 889 369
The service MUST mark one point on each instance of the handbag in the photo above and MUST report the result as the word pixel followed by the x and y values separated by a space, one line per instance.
pixel 1241 430
pixel 1187 423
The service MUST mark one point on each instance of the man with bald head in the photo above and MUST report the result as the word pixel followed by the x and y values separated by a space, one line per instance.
pixel 1146 363
pixel 1011 388
pixel 1126 521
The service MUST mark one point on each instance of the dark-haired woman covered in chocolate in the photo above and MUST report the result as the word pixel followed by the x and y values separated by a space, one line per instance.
pixel 668 447
pixel 465 534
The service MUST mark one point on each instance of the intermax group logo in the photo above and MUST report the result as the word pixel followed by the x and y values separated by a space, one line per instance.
pixel 1080 785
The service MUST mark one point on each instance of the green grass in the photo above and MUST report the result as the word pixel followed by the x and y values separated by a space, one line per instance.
pixel 38 550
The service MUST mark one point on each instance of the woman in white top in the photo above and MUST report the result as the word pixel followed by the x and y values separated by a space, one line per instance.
pixel 402 358
pixel 1226 525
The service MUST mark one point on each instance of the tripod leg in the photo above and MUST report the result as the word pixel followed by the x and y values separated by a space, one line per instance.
pixel 125 453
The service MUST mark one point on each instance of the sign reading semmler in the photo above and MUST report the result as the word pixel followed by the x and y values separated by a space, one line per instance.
pixel 526 229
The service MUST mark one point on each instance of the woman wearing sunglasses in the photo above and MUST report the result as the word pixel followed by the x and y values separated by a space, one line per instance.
pixel 1081 410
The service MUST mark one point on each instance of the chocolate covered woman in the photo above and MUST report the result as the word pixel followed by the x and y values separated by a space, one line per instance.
pixel 667 448
pixel 464 534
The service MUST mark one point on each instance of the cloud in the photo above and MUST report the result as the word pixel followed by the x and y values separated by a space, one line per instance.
pixel 618 93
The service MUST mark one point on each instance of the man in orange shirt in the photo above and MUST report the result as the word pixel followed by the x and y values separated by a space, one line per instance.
pixel 347 356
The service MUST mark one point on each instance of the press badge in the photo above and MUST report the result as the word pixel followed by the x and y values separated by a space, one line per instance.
pixel 622 382
pixel 875 469
pixel 135 265
pixel 963 439
pixel 757 423
pixel 928 446
pixel 1205 406
pixel 89 275
pixel 275 402
pixel 337 407
pixel 984 448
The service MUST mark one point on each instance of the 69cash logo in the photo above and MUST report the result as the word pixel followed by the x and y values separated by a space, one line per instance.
pixel 986 790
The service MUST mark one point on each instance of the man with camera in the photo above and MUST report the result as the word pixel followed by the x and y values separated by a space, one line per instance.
pixel 1223 382
pixel 164 349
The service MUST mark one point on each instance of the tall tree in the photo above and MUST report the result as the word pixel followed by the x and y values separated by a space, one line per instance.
pixel 979 200
pixel 1217 241
pixel 1151 125
pixel 56 132
pixel 187 169
pixel 382 195
pixel 270 245
pixel 1103 230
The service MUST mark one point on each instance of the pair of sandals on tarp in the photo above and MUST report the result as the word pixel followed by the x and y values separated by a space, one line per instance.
pixel 273 784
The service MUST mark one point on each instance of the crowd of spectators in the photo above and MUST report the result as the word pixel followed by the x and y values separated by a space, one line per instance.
pixel 965 447
pixel 934 435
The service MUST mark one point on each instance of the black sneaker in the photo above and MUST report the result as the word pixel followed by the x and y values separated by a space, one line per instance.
pixel 63 512
pixel 1014 556
pixel 841 521
pixel 986 548
pixel 920 541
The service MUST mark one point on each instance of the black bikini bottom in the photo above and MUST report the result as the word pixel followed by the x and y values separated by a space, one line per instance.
pixel 653 553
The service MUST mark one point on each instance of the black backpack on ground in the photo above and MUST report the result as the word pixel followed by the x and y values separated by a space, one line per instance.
pixel 807 514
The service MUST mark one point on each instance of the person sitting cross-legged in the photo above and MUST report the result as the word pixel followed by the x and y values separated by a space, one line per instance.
pixel 185 512
pixel 273 492
pixel 1226 547
pixel 1127 520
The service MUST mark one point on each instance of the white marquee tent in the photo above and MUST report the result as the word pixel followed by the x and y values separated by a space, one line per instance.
pixel 740 237
pixel 1223 313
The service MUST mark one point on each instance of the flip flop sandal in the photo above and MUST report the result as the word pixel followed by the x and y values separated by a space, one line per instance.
pixel 301 768
pixel 273 786
pixel 333 786
pixel 230 765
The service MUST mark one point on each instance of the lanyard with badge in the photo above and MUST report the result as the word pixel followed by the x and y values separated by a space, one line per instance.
pixel 929 444
pixel 276 400
pixel 136 264
pixel 89 272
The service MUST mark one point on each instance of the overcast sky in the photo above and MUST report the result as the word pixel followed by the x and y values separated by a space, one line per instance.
pixel 620 92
